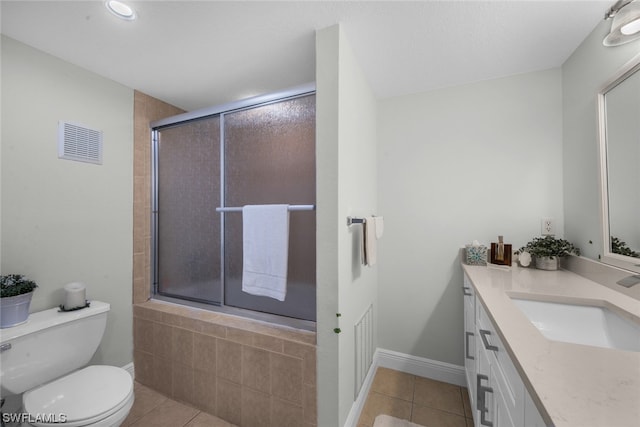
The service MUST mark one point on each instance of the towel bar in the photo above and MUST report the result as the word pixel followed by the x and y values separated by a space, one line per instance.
pixel 291 208
pixel 354 220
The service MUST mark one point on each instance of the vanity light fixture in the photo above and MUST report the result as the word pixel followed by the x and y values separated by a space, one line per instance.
pixel 625 26
pixel 121 9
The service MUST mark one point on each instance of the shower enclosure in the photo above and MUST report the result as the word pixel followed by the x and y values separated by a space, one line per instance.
pixel 260 151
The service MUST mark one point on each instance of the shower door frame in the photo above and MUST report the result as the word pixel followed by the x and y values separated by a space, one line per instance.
pixel 180 119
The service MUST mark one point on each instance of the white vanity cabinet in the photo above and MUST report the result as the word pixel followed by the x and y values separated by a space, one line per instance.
pixel 496 391
pixel 470 340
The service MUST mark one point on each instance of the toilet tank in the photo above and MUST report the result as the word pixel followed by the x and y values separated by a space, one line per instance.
pixel 49 345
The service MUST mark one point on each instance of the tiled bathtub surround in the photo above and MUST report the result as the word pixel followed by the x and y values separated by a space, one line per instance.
pixel 146 109
pixel 243 371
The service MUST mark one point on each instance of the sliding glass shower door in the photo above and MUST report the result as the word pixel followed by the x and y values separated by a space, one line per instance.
pixel 188 227
pixel 262 154
pixel 269 154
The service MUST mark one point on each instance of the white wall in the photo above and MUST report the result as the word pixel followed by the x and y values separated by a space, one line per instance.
pixel 347 186
pixel 583 76
pixel 468 162
pixel 65 221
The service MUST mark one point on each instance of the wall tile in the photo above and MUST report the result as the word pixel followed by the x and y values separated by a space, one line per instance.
pixel 162 375
pixel 285 414
pixel 229 360
pixel 240 336
pixel 310 403
pixel 286 377
pixel 204 390
pixel 210 328
pixel 228 401
pixel 162 340
pixel 182 346
pixel 183 383
pixel 204 353
pixel 255 369
pixel 268 343
pixel 256 408
pixel 143 363
pixel 143 334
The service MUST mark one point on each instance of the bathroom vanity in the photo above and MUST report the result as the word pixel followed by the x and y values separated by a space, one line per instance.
pixel 517 376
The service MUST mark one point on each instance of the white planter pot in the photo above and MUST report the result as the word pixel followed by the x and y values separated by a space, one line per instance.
pixel 547 263
pixel 14 310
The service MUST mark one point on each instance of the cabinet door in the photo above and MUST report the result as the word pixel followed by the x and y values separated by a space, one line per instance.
pixel 470 340
pixel 485 405
pixel 503 417
pixel 505 376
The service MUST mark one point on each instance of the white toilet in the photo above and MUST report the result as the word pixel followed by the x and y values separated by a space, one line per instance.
pixel 42 359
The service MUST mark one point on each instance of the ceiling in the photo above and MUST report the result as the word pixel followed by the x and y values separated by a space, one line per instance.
pixel 196 54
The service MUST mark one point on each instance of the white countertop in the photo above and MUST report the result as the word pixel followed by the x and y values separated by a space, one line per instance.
pixel 572 384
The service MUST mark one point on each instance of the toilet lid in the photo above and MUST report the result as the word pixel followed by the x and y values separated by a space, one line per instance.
pixel 90 393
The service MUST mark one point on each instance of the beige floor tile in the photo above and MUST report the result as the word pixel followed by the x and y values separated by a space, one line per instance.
pixel 144 402
pixel 378 403
pixel 438 395
pixel 435 417
pixel 435 404
pixel 466 403
pixel 205 420
pixel 393 383
pixel 170 414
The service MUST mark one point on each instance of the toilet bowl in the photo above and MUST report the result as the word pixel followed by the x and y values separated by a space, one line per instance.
pixel 93 396
pixel 44 358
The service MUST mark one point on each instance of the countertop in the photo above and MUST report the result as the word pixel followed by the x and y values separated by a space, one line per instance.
pixel 572 385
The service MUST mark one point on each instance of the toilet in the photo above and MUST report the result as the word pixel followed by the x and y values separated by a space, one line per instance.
pixel 45 360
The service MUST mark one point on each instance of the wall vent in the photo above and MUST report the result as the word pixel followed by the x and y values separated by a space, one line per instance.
pixel 364 347
pixel 79 143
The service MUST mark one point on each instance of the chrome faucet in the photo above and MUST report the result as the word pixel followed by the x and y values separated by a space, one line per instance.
pixel 629 281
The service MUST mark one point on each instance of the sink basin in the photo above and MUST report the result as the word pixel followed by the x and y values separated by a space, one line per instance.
pixel 581 324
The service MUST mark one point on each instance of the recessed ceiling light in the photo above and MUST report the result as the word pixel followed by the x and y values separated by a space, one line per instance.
pixel 121 10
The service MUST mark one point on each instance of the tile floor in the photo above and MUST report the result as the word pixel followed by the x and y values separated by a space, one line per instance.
pixel 421 400
pixel 152 409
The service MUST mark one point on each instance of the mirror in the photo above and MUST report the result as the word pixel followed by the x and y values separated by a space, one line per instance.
pixel 619 121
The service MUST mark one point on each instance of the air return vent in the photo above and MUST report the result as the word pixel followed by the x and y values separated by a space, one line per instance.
pixel 76 142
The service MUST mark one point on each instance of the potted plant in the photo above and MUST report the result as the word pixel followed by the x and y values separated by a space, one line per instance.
pixel 548 250
pixel 15 298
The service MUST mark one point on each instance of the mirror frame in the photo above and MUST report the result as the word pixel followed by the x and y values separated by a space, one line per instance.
pixel 608 257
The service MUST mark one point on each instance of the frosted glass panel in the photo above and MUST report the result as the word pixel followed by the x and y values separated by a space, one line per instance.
pixel 270 158
pixel 188 236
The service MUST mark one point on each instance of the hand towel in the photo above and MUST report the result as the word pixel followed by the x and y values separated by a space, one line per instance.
pixel 369 240
pixel 265 239
pixel 379 226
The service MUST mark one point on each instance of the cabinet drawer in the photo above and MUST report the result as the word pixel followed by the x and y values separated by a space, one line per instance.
pixel 505 373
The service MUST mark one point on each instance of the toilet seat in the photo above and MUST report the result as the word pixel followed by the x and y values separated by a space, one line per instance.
pixel 84 397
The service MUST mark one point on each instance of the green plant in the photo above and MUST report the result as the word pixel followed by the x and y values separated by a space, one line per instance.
pixel 12 285
pixel 549 246
pixel 620 247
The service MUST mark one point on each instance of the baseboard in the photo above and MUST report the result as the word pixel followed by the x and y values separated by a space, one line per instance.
pixel 440 371
pixel 130 369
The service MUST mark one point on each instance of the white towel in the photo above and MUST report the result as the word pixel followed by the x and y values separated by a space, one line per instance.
pixel 369 240
pixel 265 239
pixel 372 230
pixel 379 226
